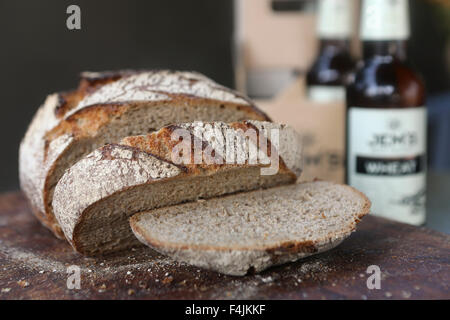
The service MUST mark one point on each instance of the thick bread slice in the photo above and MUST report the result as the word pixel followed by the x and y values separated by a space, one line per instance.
pixel 107 107
pixel 96 196
pixel 254 230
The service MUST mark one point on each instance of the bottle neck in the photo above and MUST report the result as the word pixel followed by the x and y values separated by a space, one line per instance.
pixel 395 48
pixel 334 46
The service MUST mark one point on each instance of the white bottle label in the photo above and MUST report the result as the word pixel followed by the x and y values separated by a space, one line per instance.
pixel 385 20
pixel 326 94
pixel 335 19
pixel 387 160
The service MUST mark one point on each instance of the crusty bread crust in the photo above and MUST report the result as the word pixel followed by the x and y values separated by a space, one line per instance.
pixel 160 144
pixel 70 119
pixel 238 260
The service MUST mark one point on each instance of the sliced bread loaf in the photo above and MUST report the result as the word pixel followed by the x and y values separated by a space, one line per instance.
pixel 250 231
pixel 96 196
pixel 107 107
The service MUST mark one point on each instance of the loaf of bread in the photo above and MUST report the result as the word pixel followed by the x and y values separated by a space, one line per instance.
pixel 249 232
pixel 179 163
pixel 96 196
pixel 107 107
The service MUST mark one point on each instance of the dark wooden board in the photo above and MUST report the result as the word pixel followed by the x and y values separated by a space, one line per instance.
pixel 415 263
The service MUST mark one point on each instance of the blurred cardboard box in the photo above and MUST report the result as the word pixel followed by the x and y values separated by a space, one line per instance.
pixel 266 33
pixel 322 126
pixel 271 44
pixel 273 50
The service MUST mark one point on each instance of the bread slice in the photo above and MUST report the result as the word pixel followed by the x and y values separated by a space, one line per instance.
pixel 96 196
pixel 106 107
pixel 255 230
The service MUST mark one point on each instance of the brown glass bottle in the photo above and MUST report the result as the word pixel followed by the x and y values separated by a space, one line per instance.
pixel 329 74
pixel 385 79
pixel 333 64
pixel 386 117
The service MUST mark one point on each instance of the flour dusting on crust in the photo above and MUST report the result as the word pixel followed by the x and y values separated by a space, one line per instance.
pixel 158 86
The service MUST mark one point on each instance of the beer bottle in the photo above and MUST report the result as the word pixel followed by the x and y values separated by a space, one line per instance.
pixel 386 117
pixel 329 73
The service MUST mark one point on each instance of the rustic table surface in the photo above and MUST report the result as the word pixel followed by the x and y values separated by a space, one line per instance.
pixel 414 264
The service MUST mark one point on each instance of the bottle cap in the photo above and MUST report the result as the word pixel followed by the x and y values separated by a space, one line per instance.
pixel 384 20
pixel 335 19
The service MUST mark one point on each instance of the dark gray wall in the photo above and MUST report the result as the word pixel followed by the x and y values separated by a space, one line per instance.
pixel 39 55
pixel 429 47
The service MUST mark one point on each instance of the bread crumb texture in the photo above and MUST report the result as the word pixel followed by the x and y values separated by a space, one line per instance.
pixel 255 229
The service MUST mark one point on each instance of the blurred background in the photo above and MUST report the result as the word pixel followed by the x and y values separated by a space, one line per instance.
pixel 227 40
